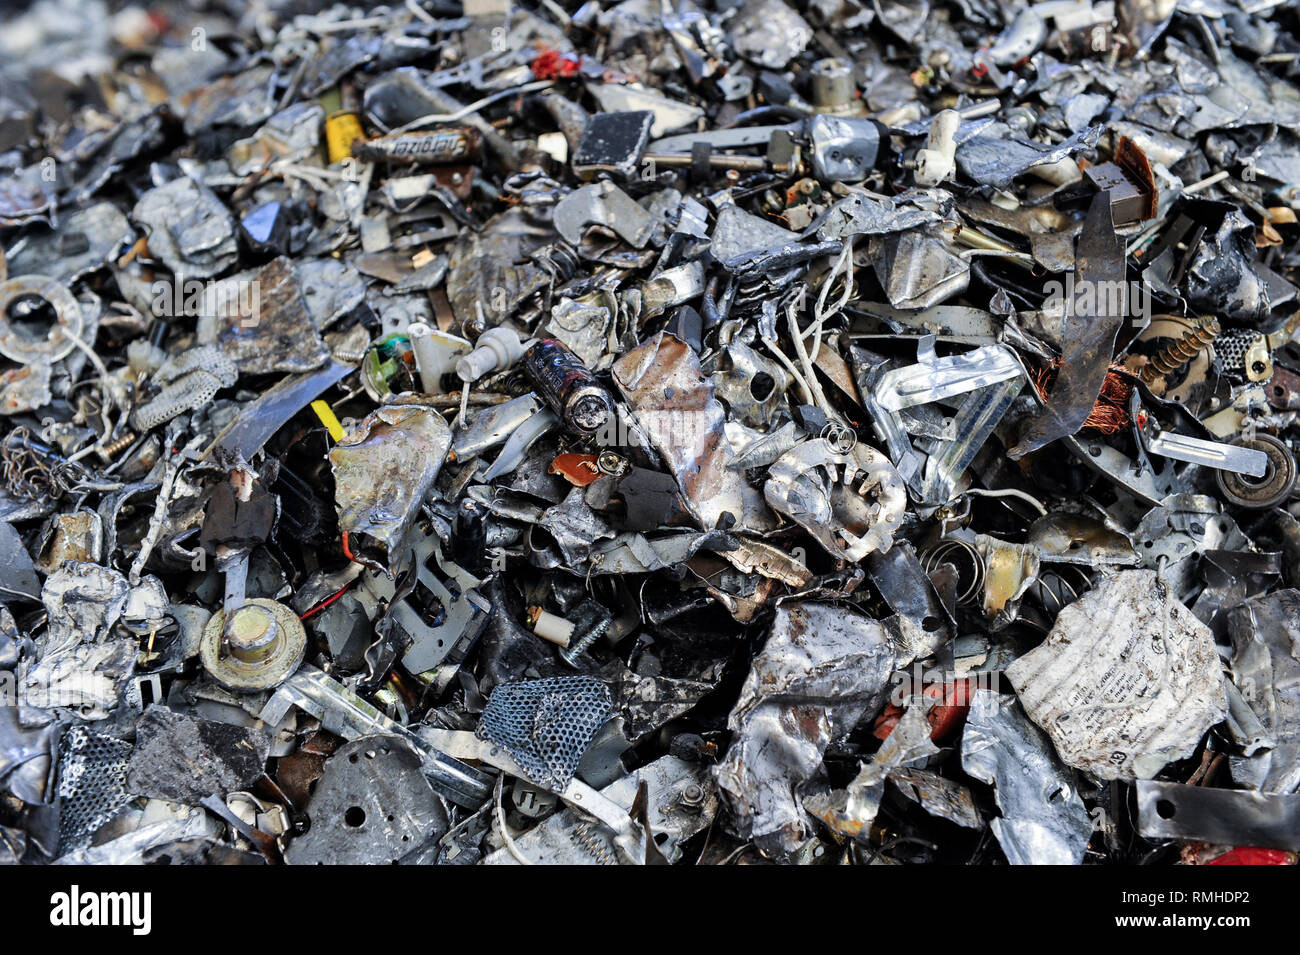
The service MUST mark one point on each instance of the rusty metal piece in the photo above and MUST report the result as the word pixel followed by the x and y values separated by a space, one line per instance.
pixel 1089 339
pixel 579 469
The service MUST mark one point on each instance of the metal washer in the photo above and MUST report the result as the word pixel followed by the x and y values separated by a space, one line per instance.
pixel 274 668
pixel 1269 491
pixel 59 342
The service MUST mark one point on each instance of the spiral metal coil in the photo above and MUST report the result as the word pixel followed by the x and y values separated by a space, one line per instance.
pixel 970 578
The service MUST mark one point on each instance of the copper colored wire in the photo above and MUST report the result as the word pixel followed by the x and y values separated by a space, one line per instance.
pixel 1108 415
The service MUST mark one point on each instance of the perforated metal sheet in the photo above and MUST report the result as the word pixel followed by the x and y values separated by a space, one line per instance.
pixel 1230 348
pixel 92 784
pixel 547 725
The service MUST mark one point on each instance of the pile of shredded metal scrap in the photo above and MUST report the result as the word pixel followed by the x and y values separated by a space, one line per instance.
pixel 650 432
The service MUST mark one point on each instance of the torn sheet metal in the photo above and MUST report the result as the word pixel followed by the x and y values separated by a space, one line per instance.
pixel 189 228
pixel 1127 681
pixel 995 160
pixel 820 670
pixel 1044 821
pixel 852 812
pixel 674 404
pixel 937 795
pixel 1265 665
pixel 602 205
pixel 1222 816
pixel 383 470
pixel 20 295
pixel 769 33
pixel 918 269
pixel 1089 335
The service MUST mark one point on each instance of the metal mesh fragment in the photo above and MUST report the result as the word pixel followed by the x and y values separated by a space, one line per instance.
pixel 547 725
pixel 1231 347
pixel 190 380
pixel 92 784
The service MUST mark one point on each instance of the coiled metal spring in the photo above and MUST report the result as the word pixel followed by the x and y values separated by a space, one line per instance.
pixel 1061 585
pixel 591 842
pixel 967 561
pixel 559 260
pixel 1179 353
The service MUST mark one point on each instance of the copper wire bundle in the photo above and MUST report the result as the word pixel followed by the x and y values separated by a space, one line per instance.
pixel 1108 415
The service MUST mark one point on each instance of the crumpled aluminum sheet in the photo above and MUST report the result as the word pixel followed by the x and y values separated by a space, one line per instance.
pixel 1265 664
pixel 1127 681
pixel 853 812
pixel 992 159
pixel 103 227
pixel 1043 821
pixel 673 403
pixel 938 795
pixel 79 663
pixel 384 468
pixel 736 232
pixel 859 214
pixel 769 33
pixel 822 668
pixel 918 270
pixel 1221 279
pixel 189 228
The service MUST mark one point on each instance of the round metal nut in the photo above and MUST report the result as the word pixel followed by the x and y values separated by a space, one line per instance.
pixel 692 796
pixel 1268 491
pixel 264 645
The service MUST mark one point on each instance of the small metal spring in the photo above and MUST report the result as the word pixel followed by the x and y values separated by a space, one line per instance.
pixel 1175 356
pixel 970 578
pixel 1054 589
pixel 111 450
pixel 559 260
pixel 590 842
